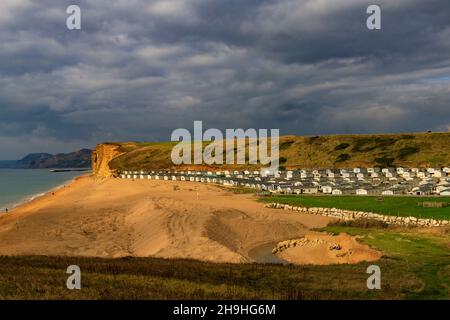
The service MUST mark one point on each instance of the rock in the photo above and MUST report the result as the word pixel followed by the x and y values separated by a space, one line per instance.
pixel 334 246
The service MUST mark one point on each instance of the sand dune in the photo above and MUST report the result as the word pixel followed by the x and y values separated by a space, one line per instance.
pixel 115 218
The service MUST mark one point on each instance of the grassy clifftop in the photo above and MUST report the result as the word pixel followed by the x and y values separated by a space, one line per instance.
pixel 381 150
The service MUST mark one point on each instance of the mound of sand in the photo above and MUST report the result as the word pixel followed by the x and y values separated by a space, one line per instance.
pixel 321 248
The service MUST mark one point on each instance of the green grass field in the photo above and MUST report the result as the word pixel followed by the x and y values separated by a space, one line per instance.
pixel 397 206
pixel 415 266
pixel 420 259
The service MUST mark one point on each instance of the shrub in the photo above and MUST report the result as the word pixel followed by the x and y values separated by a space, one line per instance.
pixel 342 146
pixel 316 140
pixel 369 144
pixel 385 162
pixel 407 151
pixel 286 144
pixel 343 157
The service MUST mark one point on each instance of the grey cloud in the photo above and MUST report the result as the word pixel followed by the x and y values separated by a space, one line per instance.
pixel 139 69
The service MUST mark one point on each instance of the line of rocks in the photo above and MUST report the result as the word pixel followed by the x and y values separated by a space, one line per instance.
pixel 348 215
pixel 303 242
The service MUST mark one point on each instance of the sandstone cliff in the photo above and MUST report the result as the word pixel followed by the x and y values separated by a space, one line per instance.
pixel 101 157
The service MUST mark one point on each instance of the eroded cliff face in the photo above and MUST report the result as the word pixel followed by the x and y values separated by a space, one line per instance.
pixel 101 157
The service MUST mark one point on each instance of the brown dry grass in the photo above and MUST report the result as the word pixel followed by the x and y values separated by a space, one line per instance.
pixel 414 149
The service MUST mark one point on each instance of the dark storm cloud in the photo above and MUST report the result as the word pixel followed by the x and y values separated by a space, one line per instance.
pixel 139 69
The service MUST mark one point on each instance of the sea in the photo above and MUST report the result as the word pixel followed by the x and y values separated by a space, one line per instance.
pixel 21 185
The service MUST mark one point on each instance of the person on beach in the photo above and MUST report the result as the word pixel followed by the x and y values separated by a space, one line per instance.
pixel 6 210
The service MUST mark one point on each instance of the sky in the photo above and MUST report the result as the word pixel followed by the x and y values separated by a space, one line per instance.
pixel 137 69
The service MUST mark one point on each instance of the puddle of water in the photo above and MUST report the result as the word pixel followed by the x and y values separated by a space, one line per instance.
pixel 263 254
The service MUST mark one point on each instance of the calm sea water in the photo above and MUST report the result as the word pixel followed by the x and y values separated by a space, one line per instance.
pixel 18 186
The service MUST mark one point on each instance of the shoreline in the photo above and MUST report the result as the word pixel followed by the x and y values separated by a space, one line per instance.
pixel 29 200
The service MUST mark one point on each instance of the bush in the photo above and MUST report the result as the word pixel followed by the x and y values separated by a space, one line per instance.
pixel 369 144
pixel 385 162
pixel 407 151
pixel 286 144
pixel 316 140
pixel 342 146
pixel 343 157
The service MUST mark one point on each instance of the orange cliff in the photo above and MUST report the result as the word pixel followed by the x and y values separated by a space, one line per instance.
pixel 101 157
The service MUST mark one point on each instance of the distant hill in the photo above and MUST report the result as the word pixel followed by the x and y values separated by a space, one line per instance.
pixel 77 159
pixel 330 151
pixel 33 160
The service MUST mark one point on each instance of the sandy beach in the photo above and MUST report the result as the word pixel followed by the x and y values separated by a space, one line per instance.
pixel 115 218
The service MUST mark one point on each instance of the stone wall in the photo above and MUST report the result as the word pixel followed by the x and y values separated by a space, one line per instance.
pixel 348 215
pixel 283 245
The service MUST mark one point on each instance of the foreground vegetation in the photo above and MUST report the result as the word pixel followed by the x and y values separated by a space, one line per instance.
pixel 398 206
pixel 416 266
pixel 296 152
pixel 420 258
